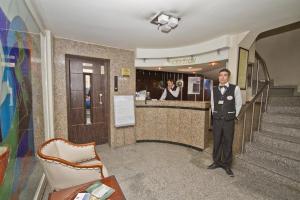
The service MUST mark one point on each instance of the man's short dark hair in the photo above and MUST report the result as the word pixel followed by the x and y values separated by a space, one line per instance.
pixel 225 70
pixel 171 80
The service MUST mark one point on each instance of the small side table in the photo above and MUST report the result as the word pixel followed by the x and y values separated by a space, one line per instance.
pixel 70 193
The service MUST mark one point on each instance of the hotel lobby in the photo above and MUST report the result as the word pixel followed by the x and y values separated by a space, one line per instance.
pixel 123 100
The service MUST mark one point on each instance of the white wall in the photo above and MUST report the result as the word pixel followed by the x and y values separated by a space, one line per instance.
pixel 282 55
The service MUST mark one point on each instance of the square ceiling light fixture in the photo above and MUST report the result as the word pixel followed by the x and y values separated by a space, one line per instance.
pixel 165 22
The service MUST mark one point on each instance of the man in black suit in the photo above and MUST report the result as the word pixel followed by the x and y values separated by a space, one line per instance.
pixel 171 92
pixel 226 103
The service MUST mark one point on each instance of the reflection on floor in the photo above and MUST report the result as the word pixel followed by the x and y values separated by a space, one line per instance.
pixel 154 171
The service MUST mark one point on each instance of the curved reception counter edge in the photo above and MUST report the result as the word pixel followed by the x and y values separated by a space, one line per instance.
pixel 180 122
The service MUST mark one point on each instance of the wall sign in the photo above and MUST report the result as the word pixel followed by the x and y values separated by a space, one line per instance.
pixel 124 110
pixel 242 68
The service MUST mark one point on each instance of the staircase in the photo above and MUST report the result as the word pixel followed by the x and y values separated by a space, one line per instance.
pixel 273 157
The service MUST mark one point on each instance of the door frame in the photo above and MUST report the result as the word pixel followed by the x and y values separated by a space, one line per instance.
pixel 107 89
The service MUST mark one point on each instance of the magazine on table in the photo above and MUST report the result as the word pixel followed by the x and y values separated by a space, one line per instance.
pixel 97 191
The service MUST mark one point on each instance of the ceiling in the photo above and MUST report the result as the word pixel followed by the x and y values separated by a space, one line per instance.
pixel 126 23
pixel 209 70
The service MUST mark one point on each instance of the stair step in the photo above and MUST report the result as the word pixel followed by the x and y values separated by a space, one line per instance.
pixel 282 119
pixel 281 129
pixel 266 170
pixel 282 158
pixel 282 91
pixel 293 175
pixel 284 101
pixel 284 109
pixel 267 188
pixel 284 142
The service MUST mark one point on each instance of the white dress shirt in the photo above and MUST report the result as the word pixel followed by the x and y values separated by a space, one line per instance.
pixel 237 96
pixel 175 93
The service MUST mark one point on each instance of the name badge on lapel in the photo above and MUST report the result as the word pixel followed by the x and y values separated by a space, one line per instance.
pixel 221 102
pixel 229 97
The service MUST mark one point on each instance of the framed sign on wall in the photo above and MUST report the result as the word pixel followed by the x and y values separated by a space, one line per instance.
pixel 124 110
pixel 242 68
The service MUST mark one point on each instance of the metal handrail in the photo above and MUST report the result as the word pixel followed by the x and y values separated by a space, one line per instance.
pixel 258 93
pixel 267 75
pixel 253 100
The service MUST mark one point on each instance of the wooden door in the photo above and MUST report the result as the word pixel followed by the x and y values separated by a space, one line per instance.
pixel 88 102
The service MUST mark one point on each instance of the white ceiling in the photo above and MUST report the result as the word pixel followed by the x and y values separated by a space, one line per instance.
pixel 126 23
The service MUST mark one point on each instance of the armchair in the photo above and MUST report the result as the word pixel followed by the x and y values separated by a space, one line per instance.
pixel 66 164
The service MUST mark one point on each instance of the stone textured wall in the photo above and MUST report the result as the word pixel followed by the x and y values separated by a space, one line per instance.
pixel 169 121
pixel 37 92
pixel 118 58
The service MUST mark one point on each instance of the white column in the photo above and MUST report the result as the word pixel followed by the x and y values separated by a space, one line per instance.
pixel 47 83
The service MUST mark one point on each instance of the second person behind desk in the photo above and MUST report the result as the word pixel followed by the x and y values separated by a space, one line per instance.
pixel 171 92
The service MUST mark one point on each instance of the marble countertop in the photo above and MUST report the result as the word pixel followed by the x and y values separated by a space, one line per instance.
pixel 189 104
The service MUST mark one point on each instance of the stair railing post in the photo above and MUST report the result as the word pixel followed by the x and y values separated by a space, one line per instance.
pixel 252 120
pixel 260 111
pixel 267 97
pixel 243 132
pixel 257 76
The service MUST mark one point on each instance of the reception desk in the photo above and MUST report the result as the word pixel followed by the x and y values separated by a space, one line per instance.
pixel 180 122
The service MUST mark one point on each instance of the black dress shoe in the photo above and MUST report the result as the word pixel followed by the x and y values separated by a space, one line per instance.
pixel 213 166
pixel 229 171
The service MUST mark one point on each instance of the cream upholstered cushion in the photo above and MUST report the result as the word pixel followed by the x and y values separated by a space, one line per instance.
pixel 75 153
pixel 93 162
pixel 67 164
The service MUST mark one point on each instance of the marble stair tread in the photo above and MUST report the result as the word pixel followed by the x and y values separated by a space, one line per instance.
pixel 292 130
pixel 279 136
pixel 282 91
pixel 285 100
pixel 282 118
pixel 263 185
pixel 286 161
pixel 255 146
pixel 277 140
pixel 288 173
pixel 258 166
pixel 284 109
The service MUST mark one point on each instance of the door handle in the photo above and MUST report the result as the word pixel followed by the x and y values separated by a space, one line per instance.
pixel 100 98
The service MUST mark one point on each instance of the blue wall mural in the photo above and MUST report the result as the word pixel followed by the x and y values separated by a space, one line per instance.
pixel 16 120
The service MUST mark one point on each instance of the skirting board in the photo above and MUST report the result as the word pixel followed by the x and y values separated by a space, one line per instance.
pixel 169 142
pixel 41 188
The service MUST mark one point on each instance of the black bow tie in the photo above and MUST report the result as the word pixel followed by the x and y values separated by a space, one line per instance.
pixel 223 86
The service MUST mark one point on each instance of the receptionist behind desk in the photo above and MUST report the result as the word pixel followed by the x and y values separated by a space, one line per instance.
pixel 171 92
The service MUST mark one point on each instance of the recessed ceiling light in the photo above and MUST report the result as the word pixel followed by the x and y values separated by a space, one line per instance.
pixel 189 69
pixel 213 63
pixel 194 72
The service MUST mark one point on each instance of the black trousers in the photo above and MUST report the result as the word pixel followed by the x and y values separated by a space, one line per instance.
pixel 223 132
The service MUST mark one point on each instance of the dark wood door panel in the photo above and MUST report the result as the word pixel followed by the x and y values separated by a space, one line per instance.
pixel 101 131
pixel 98 116
pixel 83 134
pixel 76 82
pixel 77 99
pixel 76 66
pixel 77 116
pixel 81 129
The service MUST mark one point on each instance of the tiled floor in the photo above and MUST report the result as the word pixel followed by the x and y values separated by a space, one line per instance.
pixel 155 171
